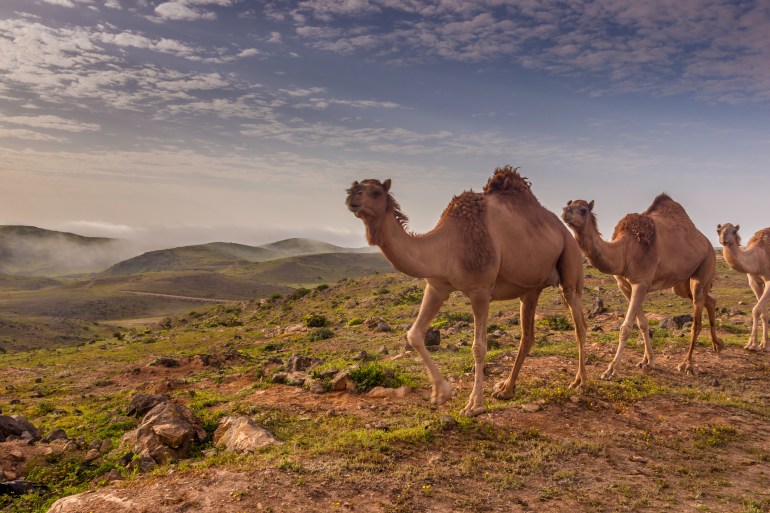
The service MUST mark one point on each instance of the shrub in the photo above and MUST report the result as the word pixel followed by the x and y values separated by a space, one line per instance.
pixel 315 321
pixel 300 292
pixel 557 322
pixel 411 296
pixel 320 334
pixel 355 322
pixel 372 375
pixel 321 287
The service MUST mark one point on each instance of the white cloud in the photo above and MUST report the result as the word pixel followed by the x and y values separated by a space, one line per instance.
pixel 188 10
pixel 62 3
pixel 51 122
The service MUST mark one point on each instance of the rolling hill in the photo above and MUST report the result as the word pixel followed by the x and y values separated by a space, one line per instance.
pixel 32 251
pixel 218 255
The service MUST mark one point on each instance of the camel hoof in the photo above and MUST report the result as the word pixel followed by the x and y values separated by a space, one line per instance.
pixel 441 393
pixel 469 411
pixel 500 392
pixel 645 365
pixel 610 373
pixel 578 383
pixel 687 367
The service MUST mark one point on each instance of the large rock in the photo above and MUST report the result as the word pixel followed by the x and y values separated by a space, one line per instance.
pixel 676 322
pixel 142 403
pixel 167 433
pixel 240 434
pixel 15 426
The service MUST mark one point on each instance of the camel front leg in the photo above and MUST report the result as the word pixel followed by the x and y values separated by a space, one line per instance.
pixel 648 361
pixel 505 389
pixel 432 299
pixel 638 292
pixel 698 302
pixel 759 288
pixel 759 314
pixel 480 304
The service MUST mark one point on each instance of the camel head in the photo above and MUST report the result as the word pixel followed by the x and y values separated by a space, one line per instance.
pixel 728 234
pixel 577 213
pixel 369 198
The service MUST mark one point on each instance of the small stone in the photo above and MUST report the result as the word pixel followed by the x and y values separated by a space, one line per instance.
pixel 113 475
pixel 16 454
pixel 106 446
pixel 92 455
pixel 383 350
pixel 447 423
pixel 531 407
pixel 715 382
pixel 71 446
pixel 574 399
pixel 95 444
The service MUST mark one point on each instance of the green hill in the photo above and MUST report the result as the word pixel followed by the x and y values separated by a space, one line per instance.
pixel 32 251
pixel 218 255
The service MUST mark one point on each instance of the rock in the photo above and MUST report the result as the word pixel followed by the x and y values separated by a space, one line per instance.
pixel 16 454
pixel 240 434
pixel 297 379
pixel 597 329
pixel 112 475
pixel 55 435
pixel 106 446
pixel 92 455
pixel 342 382
pixel 95 444
pixel 164 361
pixel 16 426
pixel 383 350
pixel 71 446
pixel 597 308
pixel 142 403
pixel 381 392
pixel 126 459
pixel 279 377
pixel 299 363
pixel 432 337
pixel 316 387
pixel 20 487
pixel 676 322
pixel 167 433
pixel 447 423
pixel 361 356
pixel 531 407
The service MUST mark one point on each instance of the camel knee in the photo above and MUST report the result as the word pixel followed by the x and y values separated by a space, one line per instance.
pixel 415 338
pixel 625 331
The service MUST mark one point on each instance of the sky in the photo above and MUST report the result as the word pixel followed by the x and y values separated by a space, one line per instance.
pixel 187 121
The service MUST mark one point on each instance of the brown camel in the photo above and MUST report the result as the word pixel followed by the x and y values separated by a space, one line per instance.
pixel 499 244
pixel 755 262
pixel 655 250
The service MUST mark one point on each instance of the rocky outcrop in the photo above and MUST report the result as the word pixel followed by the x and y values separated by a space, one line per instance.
pixel 238 433
pixel 17 428
pixel 166 434
pixel 142 403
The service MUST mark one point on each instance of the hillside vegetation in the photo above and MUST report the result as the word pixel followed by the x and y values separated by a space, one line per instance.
pixel 650 441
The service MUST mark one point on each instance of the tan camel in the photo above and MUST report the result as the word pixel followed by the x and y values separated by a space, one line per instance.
pixel 755 262
pixel 499 244
pixel 655 250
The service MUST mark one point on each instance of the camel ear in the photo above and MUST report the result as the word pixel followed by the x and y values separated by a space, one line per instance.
pixel 737 227
pixel 569 202
pixel 591 205
pixel 719 228
pixel 386 184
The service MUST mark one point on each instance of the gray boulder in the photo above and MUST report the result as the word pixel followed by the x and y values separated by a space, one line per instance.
pixel 168 433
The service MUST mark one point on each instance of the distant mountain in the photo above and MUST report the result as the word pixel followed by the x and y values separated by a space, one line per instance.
pixel 32 251
pixel 218 255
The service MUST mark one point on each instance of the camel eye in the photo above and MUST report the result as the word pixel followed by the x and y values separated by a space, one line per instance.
pixel 583 210
pixel 377 193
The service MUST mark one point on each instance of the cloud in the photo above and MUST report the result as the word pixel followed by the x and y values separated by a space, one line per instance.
pixel 715 49
pixel 62 3
pixel 51 122
pixel 188 10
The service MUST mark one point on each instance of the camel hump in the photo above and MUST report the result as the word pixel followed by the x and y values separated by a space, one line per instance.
pixel 507 180
pixel 664 205
pixel 467 211
pixel 762 237
pixel 637 226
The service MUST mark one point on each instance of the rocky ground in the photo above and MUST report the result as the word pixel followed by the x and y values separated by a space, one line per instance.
pixel 650 441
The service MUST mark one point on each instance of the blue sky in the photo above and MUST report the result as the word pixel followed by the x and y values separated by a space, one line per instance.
pixel 187 121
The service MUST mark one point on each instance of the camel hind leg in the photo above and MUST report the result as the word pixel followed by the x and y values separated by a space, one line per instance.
pixel 698 294
pixel 711 311
pixel 573 300
pixel 432 300
pixel 505 389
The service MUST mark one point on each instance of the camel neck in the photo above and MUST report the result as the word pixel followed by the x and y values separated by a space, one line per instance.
pixel 739 259
pixel 607 257
pixel 409 254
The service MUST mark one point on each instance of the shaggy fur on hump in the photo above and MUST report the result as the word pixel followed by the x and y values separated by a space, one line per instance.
pixel 637 226
pixel 507 180
pixel 762 237
pixel 467 211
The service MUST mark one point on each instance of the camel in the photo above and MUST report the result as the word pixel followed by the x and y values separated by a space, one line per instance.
pixel 755 262
pixel 496 245
pixel 658 249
